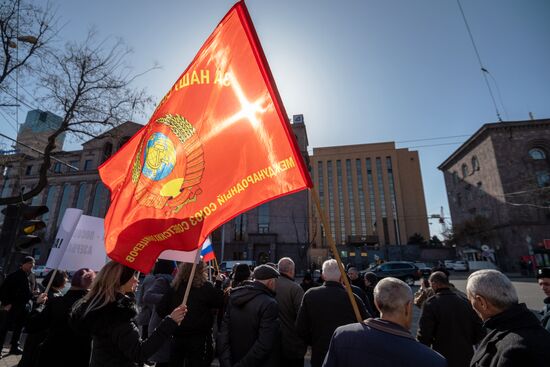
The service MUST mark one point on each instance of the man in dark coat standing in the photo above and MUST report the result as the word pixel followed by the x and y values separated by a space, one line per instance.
pixel 448 323
pixel 384 341
pixel 516 337
pixel 543 276
pixel 15 294
pixel 323 309
pixel 250 334
pixel 289 297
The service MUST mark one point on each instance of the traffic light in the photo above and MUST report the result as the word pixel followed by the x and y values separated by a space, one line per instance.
pixel 20 223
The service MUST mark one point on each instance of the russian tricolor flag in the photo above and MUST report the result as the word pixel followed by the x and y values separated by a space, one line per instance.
pixel 207 251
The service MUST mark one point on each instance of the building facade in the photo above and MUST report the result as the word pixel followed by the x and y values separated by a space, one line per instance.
pixel 371 194
pixel 499 178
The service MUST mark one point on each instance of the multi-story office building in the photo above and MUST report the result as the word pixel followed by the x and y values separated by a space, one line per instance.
pixel 500 177
pixel 372 194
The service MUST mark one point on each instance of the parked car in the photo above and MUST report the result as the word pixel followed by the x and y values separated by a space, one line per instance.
pixel 404 270
pixel 460 265
pixel 227 266
pixel 424 269
pixel 40 271
pixel 449 264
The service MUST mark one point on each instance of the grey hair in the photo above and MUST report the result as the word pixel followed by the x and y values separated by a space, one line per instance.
pixel 331 272
pixel 391 294
pixel 494 286
pixel 285 265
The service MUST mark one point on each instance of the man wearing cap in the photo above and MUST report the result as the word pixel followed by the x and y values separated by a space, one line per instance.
pixel 249 334
pixel 543 276
pixel 15 293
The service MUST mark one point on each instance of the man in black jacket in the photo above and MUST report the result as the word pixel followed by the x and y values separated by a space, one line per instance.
pixel 250 331
pixel 448 324
pixel 516 337
pixel 15 293
pixel 324 309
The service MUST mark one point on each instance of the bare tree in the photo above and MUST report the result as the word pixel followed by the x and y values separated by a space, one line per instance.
pixel 25 31
pixel 89 85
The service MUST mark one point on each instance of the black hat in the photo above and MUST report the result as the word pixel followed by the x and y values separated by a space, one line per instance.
pixel 126 274
pixel 265 272
pixel 27 259
pixel 241 273
pixel 543 273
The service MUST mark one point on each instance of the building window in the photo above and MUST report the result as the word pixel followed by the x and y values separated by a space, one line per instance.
pixel 74 164
pixel 28 171
pixel 382 197
pixel 107 151
pixel 350 199
pixel 67 193
pixel 361 192
pixel 57 167
pixel 465 170
pixel 339 179
pixel 263 218
pixel 99 197
pixel 455 177
pixel 393 199
pixel 372 198
pixel 475 164
pixel 81 199
pixel 543 178
pixel 537 153
pixel 240 227
pixel 123 141
pixel 331 200
pixel 87 165
pixel 52 193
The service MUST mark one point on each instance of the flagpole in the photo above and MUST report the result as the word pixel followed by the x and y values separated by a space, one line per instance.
pixel 191 276
pixel 336 254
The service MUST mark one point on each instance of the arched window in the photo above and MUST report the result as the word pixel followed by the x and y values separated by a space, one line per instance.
pixel 465 170
pixel 100 196
pixel 67 193
pixel 475 164
pixel 81 198
pixel 455 177
pixel 537 153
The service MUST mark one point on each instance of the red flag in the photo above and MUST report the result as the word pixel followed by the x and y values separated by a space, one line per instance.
pixel 218 144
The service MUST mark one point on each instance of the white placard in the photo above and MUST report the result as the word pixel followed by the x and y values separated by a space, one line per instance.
pixel 86 248
pixel 64 234
pixel 182 256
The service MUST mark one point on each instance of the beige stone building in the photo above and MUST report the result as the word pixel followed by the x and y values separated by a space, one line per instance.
pixel 372 194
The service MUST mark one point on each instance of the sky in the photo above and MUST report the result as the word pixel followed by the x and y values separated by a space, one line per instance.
pixel 361 71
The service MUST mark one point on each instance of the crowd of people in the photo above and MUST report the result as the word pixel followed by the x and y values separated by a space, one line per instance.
pixel 263 317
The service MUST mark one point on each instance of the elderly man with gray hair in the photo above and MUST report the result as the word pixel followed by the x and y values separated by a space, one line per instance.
pixel 384 341
pixel 289 297
pixel 323 309
pixel 516 337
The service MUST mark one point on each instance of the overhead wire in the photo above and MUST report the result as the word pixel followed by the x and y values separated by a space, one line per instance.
pixel 484 70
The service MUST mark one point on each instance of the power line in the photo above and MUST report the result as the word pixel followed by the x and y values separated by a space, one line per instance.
pixel 484 70
pixel 436 138
pixel 435 145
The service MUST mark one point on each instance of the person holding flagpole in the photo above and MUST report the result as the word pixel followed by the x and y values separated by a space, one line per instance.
pixel 107 313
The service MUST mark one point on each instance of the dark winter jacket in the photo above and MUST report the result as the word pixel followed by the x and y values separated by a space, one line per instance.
pixel 515 338
pixel 545 314
pixel 201 304
pixel 324 309
pixel 450 326
pixel 378 343
pixel 250 334
pixel 289 298
pixel 15 290
pixel 55 319
pixel 115 337
pixel 152 297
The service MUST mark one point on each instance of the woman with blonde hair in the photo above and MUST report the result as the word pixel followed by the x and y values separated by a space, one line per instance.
pixel 193 344
pixel 106 312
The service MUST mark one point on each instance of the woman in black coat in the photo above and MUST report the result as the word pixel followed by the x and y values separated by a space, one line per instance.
pixel 55 319
pixel 193 344
pixel 107 313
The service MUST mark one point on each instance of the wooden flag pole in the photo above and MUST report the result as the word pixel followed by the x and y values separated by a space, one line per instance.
pixel 191 276
pixel 54 271
pixel 336 254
